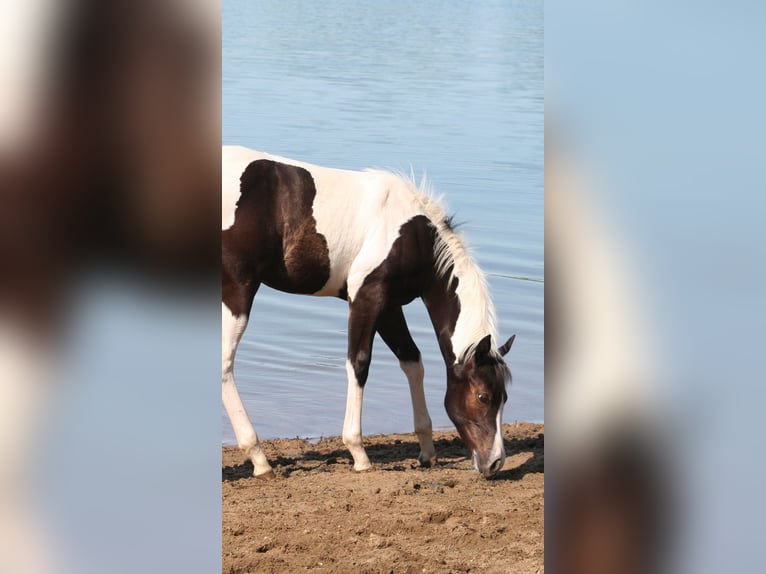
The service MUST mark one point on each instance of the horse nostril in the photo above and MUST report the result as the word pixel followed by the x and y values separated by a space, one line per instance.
pixel 496 466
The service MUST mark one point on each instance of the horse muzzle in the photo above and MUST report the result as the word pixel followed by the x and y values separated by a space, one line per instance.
pixel 490 466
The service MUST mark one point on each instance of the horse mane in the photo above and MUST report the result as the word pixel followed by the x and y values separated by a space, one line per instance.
pixel 453 260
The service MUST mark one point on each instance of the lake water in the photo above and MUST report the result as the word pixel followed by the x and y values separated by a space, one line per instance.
pixel 451 89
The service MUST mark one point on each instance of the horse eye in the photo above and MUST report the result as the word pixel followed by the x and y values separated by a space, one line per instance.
pixel 484 397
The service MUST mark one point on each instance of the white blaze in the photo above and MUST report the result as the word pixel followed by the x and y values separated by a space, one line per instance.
pixel 498 449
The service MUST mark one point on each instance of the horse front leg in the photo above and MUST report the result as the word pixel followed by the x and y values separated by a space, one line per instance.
pixel 361 331
pixel 392 328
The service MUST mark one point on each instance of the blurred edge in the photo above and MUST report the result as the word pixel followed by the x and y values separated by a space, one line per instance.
pixel 609 483
pixel 654 238
pixel 109 167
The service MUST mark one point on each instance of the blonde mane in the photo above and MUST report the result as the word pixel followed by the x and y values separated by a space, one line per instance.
pixel 453 259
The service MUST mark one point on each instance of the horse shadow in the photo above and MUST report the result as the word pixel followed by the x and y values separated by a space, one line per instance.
pixel 534 464
pixel 400 455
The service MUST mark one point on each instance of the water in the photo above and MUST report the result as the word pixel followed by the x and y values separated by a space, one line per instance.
pixel 451 89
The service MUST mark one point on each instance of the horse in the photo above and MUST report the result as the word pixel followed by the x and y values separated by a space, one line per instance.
pixel 377 240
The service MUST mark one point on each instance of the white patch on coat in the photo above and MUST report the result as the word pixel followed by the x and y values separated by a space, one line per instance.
pixel 234 160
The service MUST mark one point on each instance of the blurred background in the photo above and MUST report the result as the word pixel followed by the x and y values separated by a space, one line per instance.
pixel 654 251
pixel 109 166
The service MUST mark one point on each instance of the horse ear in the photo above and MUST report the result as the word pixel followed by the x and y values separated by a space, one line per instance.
pixel 483 348
pixel 507 347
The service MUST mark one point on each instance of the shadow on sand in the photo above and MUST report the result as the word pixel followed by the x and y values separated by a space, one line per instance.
pixel 397 455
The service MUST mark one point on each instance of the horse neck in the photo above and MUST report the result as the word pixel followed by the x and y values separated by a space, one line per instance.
pixel 460 308
pixel 443 307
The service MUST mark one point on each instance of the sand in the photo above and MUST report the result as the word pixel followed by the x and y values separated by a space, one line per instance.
pixel 319 515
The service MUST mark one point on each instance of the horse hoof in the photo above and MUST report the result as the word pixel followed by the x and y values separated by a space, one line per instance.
pixel 427 462
pixel 268 475
pixel 364 468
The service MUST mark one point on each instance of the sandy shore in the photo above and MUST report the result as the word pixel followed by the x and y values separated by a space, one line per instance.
pixel 320 515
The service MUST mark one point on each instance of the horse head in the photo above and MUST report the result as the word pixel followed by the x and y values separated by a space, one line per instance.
pixel 475 399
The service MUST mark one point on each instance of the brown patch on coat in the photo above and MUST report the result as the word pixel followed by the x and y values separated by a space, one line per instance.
pixel 274 239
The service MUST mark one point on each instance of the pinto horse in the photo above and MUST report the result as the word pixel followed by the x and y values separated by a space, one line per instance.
pixel 376 240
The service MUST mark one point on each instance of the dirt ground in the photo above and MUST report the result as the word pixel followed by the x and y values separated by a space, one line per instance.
pixel 320 515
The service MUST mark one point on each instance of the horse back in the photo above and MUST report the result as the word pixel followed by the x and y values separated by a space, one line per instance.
pixel 308 229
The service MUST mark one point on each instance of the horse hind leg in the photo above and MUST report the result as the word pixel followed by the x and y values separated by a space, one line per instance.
pixel 232 327
pixel 392 328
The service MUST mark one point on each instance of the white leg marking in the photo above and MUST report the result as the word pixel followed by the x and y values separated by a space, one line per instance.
pixel 352 424
pixel 423 427
pixel 232 328
pixel 498 449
